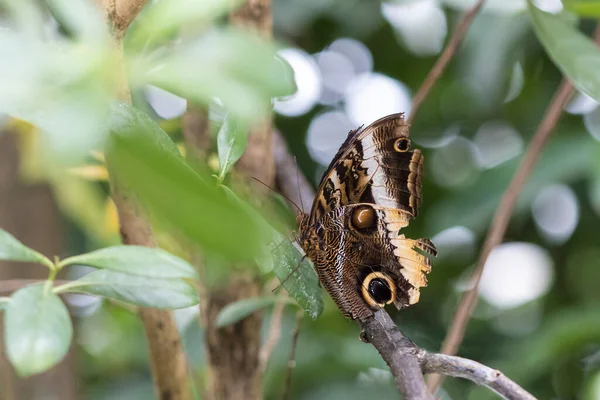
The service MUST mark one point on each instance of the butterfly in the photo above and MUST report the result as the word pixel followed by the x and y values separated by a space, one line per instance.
pixel 369 192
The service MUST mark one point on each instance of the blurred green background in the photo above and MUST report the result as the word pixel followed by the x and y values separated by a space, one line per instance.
pixel 538 319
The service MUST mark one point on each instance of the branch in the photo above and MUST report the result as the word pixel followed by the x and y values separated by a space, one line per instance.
pixel 444 59
pixel 480 374
pixel 398 352
pixel 121 13
pixel 167 359
pixel 502 216
pixel 272 337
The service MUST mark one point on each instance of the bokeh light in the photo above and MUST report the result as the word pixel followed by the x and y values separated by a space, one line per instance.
pixel 516 273
pixel 326 132
pixel 496 142
pixel 165 104
pixel 556 213
pixel 308 83
pixel 372 96
pixel 419 25
pixel 454 164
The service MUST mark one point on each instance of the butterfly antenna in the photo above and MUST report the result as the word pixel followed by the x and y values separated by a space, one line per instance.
pixel 298 184
pixel 289 275
pixel 279 193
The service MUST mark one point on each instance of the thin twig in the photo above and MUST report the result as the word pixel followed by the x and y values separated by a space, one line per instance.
pixel 291 364
pixel 480 374
pixel 444 59
pixel 502 216
pixel 273 336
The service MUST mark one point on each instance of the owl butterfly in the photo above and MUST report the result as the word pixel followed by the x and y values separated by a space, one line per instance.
pixel 369 192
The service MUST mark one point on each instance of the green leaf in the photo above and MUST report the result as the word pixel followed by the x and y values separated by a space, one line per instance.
pixel 231 143
pixel 126 120
pixel 303 284
pixel 583 8
pixel 183 201
pixel 62 88
pixel 164 18
pixel 37 328
pixel 135 260
pixel 239 310
pixel 142 291
pixel 574 54
pixel 238 67
pixel 13 250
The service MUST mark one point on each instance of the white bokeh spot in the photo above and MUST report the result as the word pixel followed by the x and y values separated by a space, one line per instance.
pixel 516 273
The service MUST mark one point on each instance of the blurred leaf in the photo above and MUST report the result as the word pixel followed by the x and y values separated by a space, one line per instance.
pixel 80 18
pixel 38 330
pixel 63 89
pixel 576 55
pixel 238 67
pixel 126 120
pixel 239 310
pixel 13 250
pixel 473 207
pixel 135 260
pixel 584 8
pixel 231 143
pixel 162 19
pixel 182 199
pixel 142 291
pixel 303 284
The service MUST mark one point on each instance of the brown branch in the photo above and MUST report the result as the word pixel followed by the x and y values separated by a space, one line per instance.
pixel 480 374
pixel 167 359
pixel 399 353
pixel 121 13
pixel 291 364
pixel 444 59
pixel 502 216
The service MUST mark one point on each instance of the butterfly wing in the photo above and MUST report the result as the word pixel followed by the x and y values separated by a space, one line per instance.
pixel 364 263
pixel 370 167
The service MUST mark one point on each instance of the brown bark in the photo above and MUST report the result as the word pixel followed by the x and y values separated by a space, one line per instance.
pixel 167 359
pixel 233 351
pixel 30 213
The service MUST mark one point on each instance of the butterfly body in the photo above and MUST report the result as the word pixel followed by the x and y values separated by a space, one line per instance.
pixel 370 191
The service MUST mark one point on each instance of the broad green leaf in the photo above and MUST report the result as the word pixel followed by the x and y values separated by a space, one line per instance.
pixel 13 250
pixel 135 260
pixel 162 19
pixel 574 54
pixel 126 120
pixel 142 291
pixel 231 144
pixel 37 328
pixel 239 310
pixel 238 67
pixel 303 284
pixel 584 8
pixel 184 201
pixel 62 88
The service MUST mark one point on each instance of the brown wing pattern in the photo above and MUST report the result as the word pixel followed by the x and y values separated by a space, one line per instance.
pixel 370 191
pixel 370 168
pixel 354 252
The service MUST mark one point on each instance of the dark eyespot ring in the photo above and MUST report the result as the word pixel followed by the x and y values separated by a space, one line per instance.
pixel 402 145
pixel 378 290
pixel 363 218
